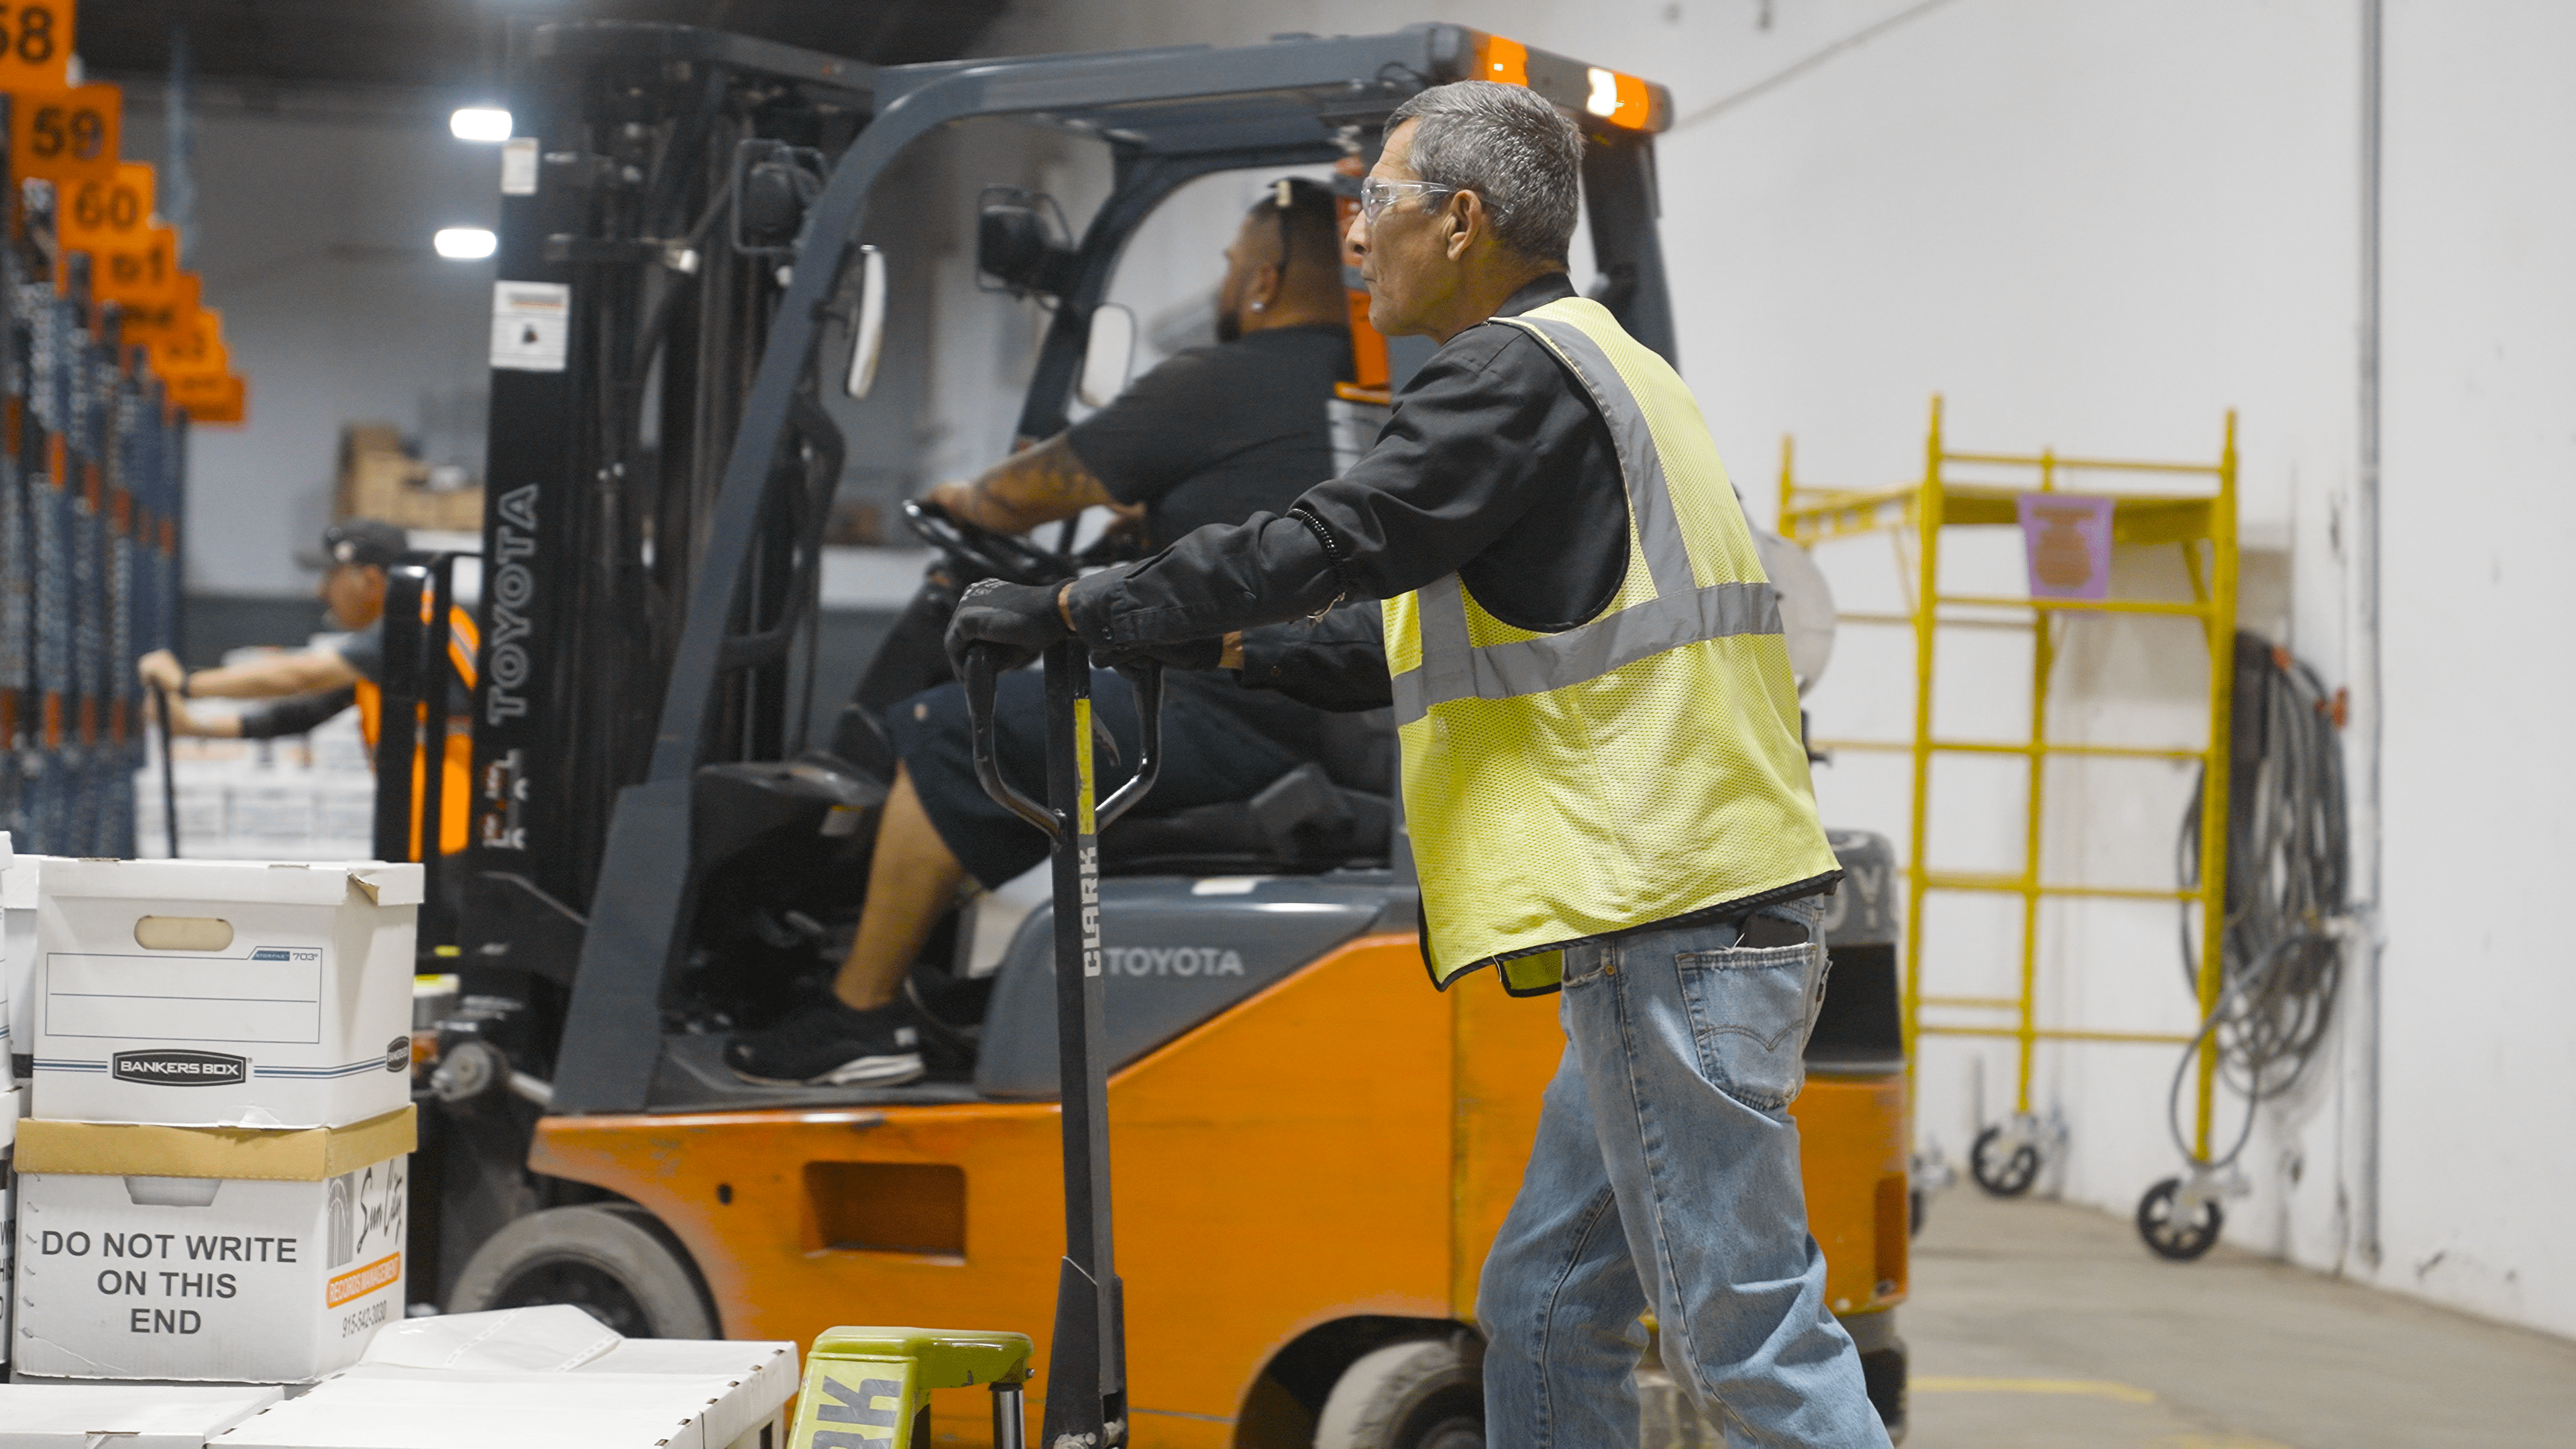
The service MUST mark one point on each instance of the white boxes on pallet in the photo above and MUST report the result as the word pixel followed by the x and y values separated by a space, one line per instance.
pixel 413 1409
pixel 222 993
pixel 66 1416
pixel 548 1376
pixel 192 1253
pixel 8 1215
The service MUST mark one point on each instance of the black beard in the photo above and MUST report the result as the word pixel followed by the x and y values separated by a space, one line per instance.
pixel 1229 326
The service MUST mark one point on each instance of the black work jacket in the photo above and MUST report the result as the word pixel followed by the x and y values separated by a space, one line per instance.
pixel 1494 466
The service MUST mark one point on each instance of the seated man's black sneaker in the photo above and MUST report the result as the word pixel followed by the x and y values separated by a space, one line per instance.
pixel 830 1044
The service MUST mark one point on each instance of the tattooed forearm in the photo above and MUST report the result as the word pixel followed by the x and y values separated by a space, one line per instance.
pixel 1034 486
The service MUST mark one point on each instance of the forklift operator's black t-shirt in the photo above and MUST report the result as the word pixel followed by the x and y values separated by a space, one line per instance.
pixel 1217 434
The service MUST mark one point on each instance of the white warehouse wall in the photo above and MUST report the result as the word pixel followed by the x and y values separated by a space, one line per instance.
pixel 2099 226
pixel 314 213
pixel 2480 516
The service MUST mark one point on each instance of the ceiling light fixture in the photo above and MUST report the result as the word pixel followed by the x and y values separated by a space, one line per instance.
pixel 464 243
pixel 480 123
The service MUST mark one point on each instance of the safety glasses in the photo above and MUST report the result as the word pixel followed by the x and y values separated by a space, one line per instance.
pixel 1378 193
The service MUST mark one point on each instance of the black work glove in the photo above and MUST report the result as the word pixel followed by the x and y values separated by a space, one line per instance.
pixel 1021 618
pixel 1178 654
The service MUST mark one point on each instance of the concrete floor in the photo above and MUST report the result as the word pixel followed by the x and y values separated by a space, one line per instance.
pixel 2034 1324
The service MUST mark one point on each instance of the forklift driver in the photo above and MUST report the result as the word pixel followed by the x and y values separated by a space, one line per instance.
pixel 1214 435
pixel 311 686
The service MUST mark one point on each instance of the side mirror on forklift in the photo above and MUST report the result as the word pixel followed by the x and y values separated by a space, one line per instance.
pixel 1107 355
pixel 867 332
pixel 1019 242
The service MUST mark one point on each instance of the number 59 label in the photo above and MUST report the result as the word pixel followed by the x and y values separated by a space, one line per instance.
pixel 65 136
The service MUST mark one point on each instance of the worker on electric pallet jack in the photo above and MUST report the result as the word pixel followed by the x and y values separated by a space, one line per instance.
pixel 1212 436
pixel 311 686
pixel 1602 775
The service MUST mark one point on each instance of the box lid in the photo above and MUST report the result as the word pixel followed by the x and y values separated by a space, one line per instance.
pixel 367 882
pixel 76 1416
pixel 18 883
pixel 545 1338
pixel 272 1154
pixel 378 1407
pixel 558 1338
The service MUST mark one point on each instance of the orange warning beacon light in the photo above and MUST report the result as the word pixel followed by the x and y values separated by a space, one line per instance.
pixel 1610 96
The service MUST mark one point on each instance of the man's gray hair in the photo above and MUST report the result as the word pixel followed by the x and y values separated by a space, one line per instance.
pixel 1505 143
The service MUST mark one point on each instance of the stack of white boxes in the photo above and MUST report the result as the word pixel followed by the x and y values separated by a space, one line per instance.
pixel 307 798
pixel 9 1097
pixel 212 1173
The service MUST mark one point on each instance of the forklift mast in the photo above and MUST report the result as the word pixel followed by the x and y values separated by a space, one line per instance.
pixel 679 228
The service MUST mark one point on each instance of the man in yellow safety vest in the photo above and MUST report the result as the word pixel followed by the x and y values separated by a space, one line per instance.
pixel 311 686
pixel 1602 775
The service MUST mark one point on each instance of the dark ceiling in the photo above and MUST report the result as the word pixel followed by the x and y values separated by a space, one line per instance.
pixel 457 43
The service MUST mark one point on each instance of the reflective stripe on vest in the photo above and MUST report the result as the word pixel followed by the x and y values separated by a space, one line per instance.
pixel 1640 766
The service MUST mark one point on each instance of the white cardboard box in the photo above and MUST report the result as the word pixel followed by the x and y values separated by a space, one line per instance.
pixel 223 1254
pixel 65 1416
pixel 558 1339
pixel 224 993
pixel 18 882
pixel 392 1408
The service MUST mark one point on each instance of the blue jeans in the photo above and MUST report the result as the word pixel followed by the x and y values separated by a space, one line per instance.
pixel 1665 1177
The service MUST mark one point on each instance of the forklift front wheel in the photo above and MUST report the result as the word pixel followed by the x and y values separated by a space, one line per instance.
pixel 1424 1393
pixel 611 1260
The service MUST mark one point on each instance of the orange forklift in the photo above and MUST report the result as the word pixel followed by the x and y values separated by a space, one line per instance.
pixel 1312 1149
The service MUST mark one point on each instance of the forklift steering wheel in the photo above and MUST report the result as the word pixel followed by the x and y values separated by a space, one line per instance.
pixel 1000 555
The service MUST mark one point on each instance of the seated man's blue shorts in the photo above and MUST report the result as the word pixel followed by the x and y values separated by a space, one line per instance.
pixel 1209 758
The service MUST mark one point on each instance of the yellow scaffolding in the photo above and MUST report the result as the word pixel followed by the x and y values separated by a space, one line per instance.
pixel 2203 525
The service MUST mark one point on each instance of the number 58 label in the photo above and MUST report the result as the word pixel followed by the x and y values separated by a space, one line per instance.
pixel 35 43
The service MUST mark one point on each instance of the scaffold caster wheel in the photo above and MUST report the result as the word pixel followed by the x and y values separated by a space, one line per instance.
pixel 2004 1161
pixel 2179 1225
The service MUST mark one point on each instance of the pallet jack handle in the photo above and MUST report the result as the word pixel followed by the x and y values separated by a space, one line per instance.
pixel 1086 1400
pixel 983 675
pixel 169 778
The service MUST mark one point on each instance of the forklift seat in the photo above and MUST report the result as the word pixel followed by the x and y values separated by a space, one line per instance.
pixel 1300 824
pixel 1331 813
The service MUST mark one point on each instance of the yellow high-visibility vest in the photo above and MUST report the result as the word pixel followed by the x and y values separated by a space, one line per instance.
pixel 464 642
pixel 1643 765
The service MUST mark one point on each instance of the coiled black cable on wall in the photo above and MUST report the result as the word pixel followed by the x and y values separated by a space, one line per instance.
pixel 2288 871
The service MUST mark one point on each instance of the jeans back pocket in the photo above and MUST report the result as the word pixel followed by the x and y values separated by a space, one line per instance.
pixel 1750 1010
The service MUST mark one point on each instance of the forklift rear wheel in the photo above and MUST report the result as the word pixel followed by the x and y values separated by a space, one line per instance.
pixel 2167 1234
pixel 1999 1173
pixel 611 1260
pixel 1424 1393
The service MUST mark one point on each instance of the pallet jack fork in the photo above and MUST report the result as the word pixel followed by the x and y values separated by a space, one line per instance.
pixel 852 1370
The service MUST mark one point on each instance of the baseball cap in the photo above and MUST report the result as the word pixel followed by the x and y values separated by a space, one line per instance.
pixel 359 541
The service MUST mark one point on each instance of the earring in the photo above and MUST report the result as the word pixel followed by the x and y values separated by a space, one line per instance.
pixel 1260 306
